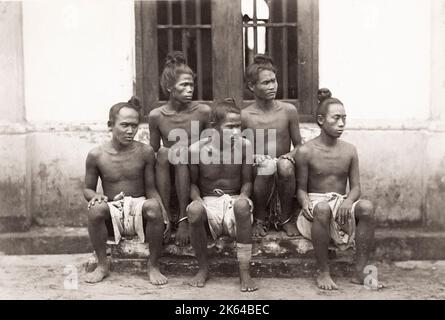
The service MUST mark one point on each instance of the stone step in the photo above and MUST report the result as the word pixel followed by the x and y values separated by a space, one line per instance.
pixel 390 244
pixel 260 267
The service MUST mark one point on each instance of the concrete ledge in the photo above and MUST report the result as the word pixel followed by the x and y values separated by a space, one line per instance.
pixel 391 244
pixel 46 241
pixel 269 267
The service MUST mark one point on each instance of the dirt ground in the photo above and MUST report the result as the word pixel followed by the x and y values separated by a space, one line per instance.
pixel 46 276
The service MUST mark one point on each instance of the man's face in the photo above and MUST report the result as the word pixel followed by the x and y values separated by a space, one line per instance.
pixel 183 89
pixel 125 126
pixel 335 120
pixel 266 86
pixel 231 127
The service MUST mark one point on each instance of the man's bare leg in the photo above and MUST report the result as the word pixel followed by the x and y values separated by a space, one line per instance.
pixel 262 187
pixel 320 240
pixel 198 237
pixel 154 228
pixel 244 244
pixel 182 181
pixel 364 215
pixel 97 230
pixel 163 181
pixel 286 192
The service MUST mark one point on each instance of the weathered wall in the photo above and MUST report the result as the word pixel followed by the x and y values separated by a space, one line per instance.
pixel 391 77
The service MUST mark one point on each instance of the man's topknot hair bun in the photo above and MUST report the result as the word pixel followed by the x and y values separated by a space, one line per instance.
pixel 262 59
pixel 323 94
pixel 175 57
pixel 135 101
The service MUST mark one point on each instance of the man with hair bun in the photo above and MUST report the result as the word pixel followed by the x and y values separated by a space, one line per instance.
pixel 274 172
pixel 177 82
pixel 330 214
pixel 130 204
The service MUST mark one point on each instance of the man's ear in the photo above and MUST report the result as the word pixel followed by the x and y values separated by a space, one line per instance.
pixel 320 119
pixel 250 86
pixel 110 125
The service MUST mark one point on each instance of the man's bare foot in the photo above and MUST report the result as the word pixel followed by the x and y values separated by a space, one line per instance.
pixel 247 283
pixel 291 229
pixel 199 279
pixel 101 272
pixel 259 229
pixel 182 237
pixel 325 282
pixel 155 276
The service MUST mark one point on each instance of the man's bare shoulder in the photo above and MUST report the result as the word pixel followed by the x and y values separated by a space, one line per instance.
pixel 251 108
pixel 145 149
pixel 155 115
pixel 347 147
pixel 305 150
pixel 289 108
pixel 204 108
pixel 96 152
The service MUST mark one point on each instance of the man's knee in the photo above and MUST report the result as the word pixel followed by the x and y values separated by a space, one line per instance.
pixel 242 209
pixel 99 212
pixel 162 156
pixel 322 212
pixel 364 209
pixel 286 169
pixel 195 212
pixel 151 210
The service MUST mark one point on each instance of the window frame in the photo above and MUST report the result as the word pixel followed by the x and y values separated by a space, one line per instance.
pixel 226 66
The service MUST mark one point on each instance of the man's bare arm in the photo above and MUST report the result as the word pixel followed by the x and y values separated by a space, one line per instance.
pixel 91 178
pixel 302 171
pixel 155 135
pixel 354 178
pixel 149 180
pixel 294 127
pixel 247 167
pixel 195 193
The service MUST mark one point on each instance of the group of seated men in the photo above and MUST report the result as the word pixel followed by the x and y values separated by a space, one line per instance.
pixel 234 172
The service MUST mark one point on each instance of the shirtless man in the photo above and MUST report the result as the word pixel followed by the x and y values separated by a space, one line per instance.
pixel 220 192
pixel 272 175
pixel 325 165
pixel 179 112
pixel 130 202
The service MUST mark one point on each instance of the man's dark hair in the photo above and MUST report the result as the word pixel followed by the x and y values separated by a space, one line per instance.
pixel 174 66
pixel 220 109
pixel 260 62
pixel 325 99
pixel 133 103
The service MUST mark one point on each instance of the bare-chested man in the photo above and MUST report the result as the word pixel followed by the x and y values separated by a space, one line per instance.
pixel 325 165
pixel 178 114
pixel 274 165
pixel 130 202
pixel 220 190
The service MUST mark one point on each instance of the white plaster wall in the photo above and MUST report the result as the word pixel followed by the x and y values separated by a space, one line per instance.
pixel 375 56
pixel 78 58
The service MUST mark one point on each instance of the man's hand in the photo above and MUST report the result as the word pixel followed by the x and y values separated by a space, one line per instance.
pixel 97 198
pixel 167 232
pixel 259 158
pixel 119 196
pixel 344 212
pixel 307 208
pixel 288 156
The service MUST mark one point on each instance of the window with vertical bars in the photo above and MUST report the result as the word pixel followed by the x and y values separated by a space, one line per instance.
pixel 185 25
pixel 219 38
pixel 270 26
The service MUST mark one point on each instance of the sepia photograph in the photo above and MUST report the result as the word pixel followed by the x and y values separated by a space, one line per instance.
pixel 245 151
